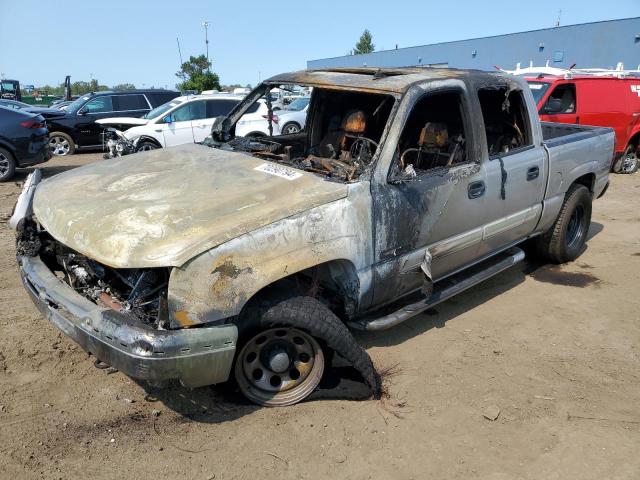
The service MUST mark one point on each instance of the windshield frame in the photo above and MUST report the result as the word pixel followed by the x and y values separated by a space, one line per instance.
pixel 538 93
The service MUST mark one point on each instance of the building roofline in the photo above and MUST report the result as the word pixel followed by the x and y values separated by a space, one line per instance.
pixel 478 38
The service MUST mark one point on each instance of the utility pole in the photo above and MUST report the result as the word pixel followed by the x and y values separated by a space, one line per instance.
pixel 206 25
pixel 179 51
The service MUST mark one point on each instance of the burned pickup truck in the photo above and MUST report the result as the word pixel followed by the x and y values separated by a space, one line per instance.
pixel 250 258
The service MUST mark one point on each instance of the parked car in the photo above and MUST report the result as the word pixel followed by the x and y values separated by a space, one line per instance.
pixel 23 141
pixel 607 101
pixel 293 119
pixel 78 130
pixel 182 120
pixel 47 113
pixel 249 257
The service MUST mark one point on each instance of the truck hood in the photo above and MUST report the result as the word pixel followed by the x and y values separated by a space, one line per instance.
pixel 131 121
pixel 163 207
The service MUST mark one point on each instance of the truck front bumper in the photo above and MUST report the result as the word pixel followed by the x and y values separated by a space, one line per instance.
pixel 196 357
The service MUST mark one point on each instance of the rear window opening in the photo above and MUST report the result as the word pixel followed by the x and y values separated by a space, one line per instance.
pixel 341 136
pixel 505 120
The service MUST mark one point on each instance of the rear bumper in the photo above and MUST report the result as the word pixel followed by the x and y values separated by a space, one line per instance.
pixel 32 152
pixel 195 357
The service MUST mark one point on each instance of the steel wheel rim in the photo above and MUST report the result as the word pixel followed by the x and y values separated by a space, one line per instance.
pixel 266 364
pixel 4 165
pixel 59 145
pixel 575 229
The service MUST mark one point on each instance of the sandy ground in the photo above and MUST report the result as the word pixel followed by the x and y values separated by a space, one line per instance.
pixel 554 349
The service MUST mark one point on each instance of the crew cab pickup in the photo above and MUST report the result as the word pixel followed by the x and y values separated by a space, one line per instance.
pixel 250 257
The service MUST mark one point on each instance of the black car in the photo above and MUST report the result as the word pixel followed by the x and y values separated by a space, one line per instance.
pixel 47 113
pixel 23 141
pixel 77 129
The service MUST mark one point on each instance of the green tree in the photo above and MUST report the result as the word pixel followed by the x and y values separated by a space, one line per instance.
pixel 196 74
pixel 124 86
pixel 365 44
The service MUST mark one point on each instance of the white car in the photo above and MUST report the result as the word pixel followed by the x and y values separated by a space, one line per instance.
pixel 186 119
pixel 294 118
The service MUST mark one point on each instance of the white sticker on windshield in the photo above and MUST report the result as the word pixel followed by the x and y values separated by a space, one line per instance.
pixel 279 171
pixel 535 86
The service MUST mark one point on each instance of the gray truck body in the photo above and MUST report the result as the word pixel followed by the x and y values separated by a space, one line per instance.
pixel 371 240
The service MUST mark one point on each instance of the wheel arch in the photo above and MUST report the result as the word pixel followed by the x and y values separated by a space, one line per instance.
pixel 148 138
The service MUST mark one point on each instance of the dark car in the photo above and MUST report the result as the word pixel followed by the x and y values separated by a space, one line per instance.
pixel 23 141
pixel 77 128
pixel 47 113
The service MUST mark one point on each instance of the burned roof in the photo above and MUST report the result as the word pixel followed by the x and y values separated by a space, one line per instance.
pixel 396 80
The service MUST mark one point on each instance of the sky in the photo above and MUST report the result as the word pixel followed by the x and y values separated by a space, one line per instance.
pixel 134 41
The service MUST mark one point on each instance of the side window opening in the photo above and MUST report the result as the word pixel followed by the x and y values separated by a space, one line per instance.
pixel 561 100
pixel 505 120
pixel 434 135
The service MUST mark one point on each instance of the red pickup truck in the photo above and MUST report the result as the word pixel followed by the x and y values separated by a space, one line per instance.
pixel 606 101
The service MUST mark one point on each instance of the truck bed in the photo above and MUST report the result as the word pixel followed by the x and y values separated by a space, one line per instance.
pixel 560 133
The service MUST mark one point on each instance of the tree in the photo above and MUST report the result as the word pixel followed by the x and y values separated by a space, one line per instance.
pixel 365 44
pixel 124 86
pixel 196 74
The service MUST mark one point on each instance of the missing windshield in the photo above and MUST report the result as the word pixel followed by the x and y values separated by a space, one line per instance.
pixel 332 133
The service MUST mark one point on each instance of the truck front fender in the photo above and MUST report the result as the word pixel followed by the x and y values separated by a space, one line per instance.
pixel 217 284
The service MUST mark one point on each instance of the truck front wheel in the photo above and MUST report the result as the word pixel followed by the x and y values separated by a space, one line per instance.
pixel 565 241
pixel 284 343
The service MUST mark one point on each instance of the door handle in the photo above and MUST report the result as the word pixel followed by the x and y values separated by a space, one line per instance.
pixel 476 189
pixel 158 130
pixel 533 173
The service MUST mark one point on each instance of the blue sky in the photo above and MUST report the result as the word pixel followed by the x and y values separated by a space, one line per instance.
pixel 134 41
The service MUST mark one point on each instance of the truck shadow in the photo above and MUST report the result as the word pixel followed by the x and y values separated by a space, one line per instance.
pixel 224 403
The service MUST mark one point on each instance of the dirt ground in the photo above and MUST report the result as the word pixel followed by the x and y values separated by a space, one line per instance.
pixel 556 350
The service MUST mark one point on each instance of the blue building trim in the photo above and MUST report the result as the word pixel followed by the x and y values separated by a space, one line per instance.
pixel 588 45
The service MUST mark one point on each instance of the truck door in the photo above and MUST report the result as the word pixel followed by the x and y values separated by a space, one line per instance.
pixel 515 168
pixel 561 105
pixel 441 207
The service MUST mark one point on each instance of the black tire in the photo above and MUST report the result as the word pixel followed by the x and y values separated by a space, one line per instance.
pixel 629 161
pixel 146 145
pixel 290 128
pixel 312 317
pixel 61 143
pixel 255 135
pixel 7 165
pixel 565 241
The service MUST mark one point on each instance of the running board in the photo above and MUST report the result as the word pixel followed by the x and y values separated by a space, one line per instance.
pixel 444 290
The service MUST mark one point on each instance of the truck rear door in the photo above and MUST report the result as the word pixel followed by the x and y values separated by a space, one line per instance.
pixel 516 167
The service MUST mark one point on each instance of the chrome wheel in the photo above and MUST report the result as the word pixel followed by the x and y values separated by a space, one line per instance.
pixel 5 165
pixel 146 146
pixel 59 145
pixel 279 367
pixel 290 128
pixel 629 161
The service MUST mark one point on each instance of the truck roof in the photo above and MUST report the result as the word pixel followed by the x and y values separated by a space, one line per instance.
pixel 397 80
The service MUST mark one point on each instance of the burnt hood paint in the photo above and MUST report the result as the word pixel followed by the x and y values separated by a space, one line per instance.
pixel 163 207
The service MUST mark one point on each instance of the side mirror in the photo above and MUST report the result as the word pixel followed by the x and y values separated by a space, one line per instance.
pixel 553 105
pixel 168 119
pixel 82 111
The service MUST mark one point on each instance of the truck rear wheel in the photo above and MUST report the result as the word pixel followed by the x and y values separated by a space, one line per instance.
pixel 285 341
pixel 565 241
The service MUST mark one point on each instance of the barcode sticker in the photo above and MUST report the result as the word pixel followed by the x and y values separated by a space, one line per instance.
pixel 279 171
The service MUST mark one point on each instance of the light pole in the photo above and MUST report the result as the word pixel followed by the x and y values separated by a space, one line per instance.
pixel 206 24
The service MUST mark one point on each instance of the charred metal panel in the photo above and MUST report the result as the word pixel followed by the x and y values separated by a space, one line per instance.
pixel 216 284
pixel 165 206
